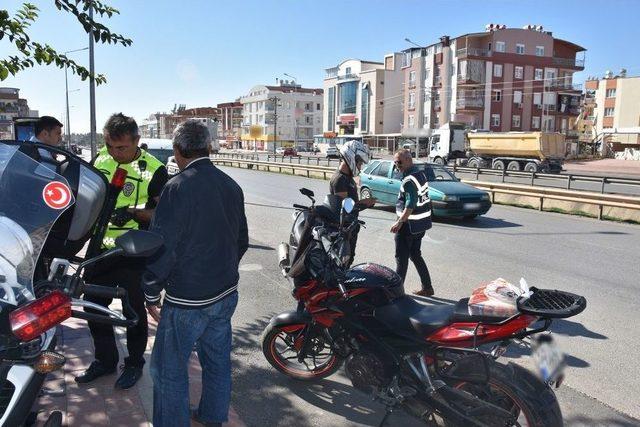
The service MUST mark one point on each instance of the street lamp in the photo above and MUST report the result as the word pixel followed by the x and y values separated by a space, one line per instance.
pixel 408 40
pixel 66 86
pixel 295 81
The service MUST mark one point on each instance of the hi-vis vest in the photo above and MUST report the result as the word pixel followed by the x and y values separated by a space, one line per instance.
pixel 134 194
pixel 420 218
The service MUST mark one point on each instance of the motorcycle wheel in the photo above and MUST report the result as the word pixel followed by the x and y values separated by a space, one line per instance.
pixel 532 402
pixel 281 344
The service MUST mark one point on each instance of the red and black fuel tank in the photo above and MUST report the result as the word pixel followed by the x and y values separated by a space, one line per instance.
pixel 380 284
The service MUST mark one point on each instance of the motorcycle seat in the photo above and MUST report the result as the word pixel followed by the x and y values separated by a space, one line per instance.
pixel 461 314
pixel 407 316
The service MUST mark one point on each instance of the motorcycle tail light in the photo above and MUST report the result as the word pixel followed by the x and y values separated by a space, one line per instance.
pixel 49 361
pixel 119 178
pixel 31 320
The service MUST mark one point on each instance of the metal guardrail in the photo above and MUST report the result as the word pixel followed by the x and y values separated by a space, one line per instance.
pixel 541 193
pixel 532 176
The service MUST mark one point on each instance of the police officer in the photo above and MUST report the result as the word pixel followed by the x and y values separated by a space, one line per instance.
pixel 413 208
pixel 146 176
pixel 354 154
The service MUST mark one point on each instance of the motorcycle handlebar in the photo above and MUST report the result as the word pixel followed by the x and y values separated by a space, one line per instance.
pixel 104 319
pixel 300 206
pixel 104 291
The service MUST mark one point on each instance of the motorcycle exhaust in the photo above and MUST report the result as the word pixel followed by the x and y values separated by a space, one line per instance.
pixel 283 258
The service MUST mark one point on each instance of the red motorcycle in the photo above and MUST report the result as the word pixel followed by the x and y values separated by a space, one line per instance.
pixel 430 360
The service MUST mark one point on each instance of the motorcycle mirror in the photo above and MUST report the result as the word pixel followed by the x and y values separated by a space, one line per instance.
pixel 139 243
pixel 307 192
pixel 348 204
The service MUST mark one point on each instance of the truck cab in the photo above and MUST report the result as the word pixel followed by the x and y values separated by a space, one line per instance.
pixel 447 143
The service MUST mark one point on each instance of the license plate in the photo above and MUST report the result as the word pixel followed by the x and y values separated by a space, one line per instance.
pixel 471 206
pixel 549 359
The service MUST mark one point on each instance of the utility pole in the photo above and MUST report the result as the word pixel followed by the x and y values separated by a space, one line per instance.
pixel 92 91
pixel 275 100
pixel 66 86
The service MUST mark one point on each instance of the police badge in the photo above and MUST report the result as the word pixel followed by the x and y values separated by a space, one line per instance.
pixel 128 188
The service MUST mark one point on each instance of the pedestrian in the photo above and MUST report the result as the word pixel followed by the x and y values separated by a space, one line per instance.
pixel 146 176
pixel 202 220
pixel 413 208
pixel 354 154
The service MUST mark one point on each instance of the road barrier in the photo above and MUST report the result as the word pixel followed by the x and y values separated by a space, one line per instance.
pixel 541 193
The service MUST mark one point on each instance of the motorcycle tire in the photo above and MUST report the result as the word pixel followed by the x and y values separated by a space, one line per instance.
pixel 520 391
pixel 275 333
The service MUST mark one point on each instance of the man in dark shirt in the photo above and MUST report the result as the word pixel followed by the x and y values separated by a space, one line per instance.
pixel 202 220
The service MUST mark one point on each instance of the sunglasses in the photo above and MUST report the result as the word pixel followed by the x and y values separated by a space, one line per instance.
pixel 397 162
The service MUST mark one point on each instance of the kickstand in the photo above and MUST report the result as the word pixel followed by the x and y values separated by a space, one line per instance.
pixel 386 415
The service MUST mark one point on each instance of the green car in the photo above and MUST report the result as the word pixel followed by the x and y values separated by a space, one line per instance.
pixel 449 196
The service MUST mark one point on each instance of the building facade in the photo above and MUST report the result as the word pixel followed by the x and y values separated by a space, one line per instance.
pixel 230 121
pixel 12 106
pixel 363 98
pixel 611 104
pixel 290 110
pixel 167 123
pixel 503 79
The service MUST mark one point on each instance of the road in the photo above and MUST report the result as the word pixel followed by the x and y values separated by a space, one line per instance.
pixel 596 259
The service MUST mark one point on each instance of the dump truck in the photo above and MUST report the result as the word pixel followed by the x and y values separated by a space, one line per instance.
pixel 515 151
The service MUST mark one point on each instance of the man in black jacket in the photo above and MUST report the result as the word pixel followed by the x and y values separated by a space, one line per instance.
pixel 202 220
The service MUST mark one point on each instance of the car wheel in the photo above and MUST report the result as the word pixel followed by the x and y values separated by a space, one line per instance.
pixel 513 166
pixel 365 193
pixel 473 164
pixel 531 167
pixel 498 164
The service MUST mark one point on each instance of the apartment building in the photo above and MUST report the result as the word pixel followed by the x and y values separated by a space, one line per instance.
pixel 363 98
pixel 612 111
pixel 230 120
pixel 12 106
pixel 502 79
pixel 289 109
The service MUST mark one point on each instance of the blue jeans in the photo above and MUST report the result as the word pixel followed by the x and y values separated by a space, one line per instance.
pixel 179 329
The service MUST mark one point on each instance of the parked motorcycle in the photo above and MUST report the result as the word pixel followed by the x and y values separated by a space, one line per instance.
pixel 437 362
pixel 45 220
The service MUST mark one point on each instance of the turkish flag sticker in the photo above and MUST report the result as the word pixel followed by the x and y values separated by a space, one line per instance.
pixel 56 195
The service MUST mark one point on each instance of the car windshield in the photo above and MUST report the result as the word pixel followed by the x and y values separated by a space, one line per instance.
pixel 437 172
pixel 162 155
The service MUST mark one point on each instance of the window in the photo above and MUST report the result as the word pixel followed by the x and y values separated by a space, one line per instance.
pixel 496 95
pixel 608 111
pixel 520 49
pixel 611 93
pixel 517 97
pixel 538 74
pixel 318 106
pixel 515 121
pixel 425 96
pixel 549 98
pixel 331 108
pixel 425 120
pixel 497 70
pixel 518 72
pixel 425 75
pixel 364 107
pixel 411 121
pixel 535 122
pixel 347 71
pixel 495 120
pixel 550 74
pixel 539 50
pixel 347 97
pixel 537 98
pixel 412 78
pixel 412 100
pixel 436 122
pixel 500 47
pixel 383 170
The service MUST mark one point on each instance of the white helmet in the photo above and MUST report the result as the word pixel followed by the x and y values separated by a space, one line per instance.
pixel 16 253
pixel 352 152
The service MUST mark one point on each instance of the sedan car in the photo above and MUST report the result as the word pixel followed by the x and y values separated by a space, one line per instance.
pixel 449 196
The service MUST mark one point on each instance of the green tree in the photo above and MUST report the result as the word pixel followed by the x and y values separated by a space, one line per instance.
pixel 15 30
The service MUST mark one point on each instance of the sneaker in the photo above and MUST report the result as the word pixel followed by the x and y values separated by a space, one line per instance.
pixel 95 371
pixel 196 418
pixel 129 377
pixel 424 292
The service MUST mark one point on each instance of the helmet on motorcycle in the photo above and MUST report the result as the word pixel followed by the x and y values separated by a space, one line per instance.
pixel 16 254
pixel 355 153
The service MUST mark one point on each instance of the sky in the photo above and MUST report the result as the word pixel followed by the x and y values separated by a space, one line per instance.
pixel 200 53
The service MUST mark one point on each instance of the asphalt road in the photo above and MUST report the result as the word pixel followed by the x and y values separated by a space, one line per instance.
pixel 596 259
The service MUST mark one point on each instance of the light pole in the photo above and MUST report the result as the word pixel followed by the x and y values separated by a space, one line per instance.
pixel 92 90
pixel 408 40
pixel 275 100
pixel 295 81
pixel 66 86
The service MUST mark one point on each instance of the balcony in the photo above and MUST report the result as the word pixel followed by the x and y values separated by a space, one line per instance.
pixel 562 84
pixel 350 76
pixel 469 103
pixel 467 79
pixel 472 51
pixel 412 84
pixel 569 62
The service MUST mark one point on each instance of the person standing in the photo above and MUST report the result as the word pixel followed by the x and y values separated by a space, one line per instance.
pixel 202 220
pixel 413 208
pixel 146 176
pixel 354 154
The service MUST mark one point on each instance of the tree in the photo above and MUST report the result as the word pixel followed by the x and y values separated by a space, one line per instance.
pixel 31 52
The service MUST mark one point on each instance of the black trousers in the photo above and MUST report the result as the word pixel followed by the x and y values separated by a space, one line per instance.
pixel 127 274
pixel 408 248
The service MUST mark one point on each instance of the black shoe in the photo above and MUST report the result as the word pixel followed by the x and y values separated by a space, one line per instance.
pixel 129 377
pixel 95 370
pixel 424 292
pixel 196 418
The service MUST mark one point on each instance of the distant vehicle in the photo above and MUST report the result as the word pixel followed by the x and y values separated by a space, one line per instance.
pixel 332 153
pixel 449 197
pixel 289 151
pixel 159 148
pixel 280 151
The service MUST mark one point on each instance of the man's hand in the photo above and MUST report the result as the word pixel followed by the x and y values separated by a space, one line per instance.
pixel 368 203
pixel 154 312
pixel 121 216
pixel 396 226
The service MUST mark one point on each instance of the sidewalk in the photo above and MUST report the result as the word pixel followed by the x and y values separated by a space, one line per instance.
pixel 99 403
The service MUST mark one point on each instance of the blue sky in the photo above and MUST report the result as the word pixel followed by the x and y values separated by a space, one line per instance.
pixel 200 53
